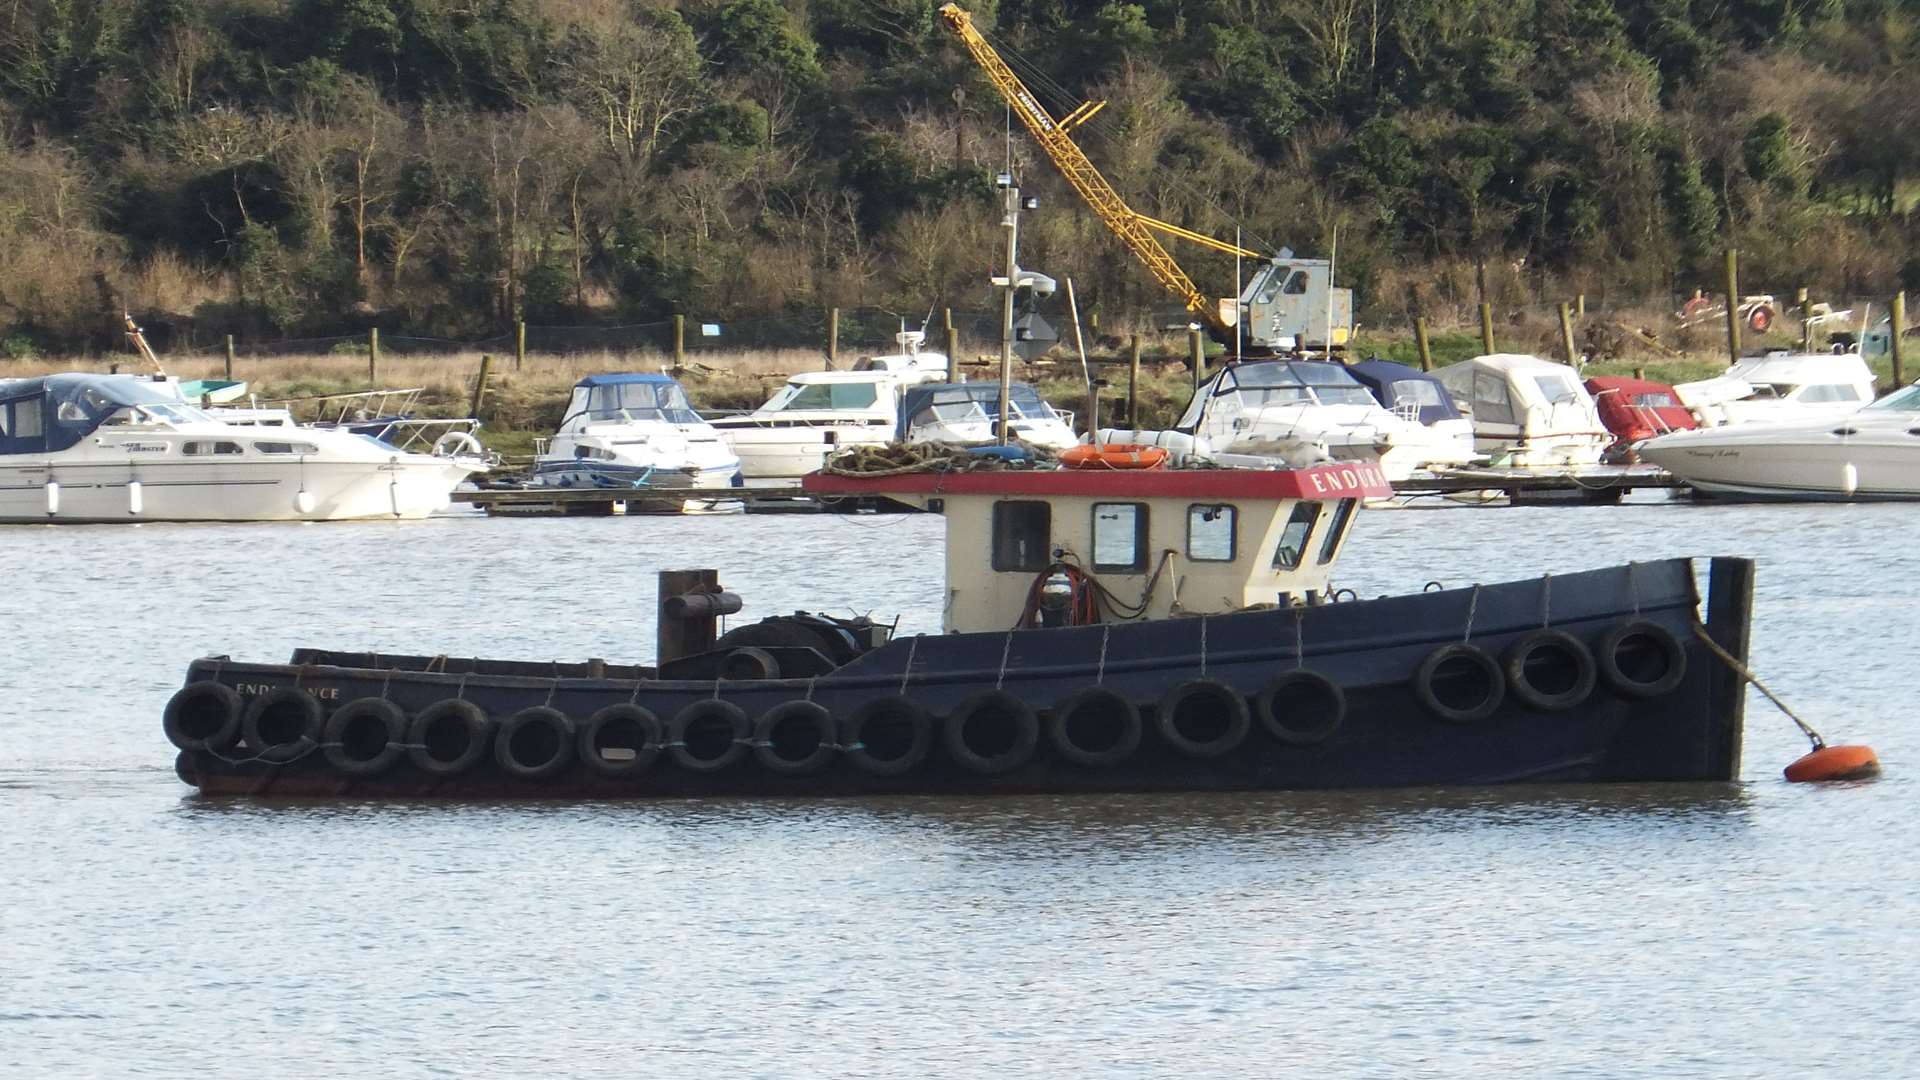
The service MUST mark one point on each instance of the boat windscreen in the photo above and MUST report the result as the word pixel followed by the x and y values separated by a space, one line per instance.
pixel 1557 389
pixel 637 401
pixel 830 396
pixel 1905 399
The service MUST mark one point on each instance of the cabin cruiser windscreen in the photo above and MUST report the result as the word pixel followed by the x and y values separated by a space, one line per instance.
pixel 1262 384
pixel 797 397
pixel 633 401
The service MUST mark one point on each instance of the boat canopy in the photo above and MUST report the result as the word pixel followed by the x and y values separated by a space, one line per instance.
pixel 1636 409
pixel 937 403
pixel 1263 383
pixel 54 412
pixel 1397 386
pixel 631 396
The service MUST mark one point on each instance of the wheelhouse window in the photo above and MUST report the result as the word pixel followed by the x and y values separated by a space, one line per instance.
pixel 1120 537
pixel 1021 531
pixel 21 427
pixel 199 447
pixel 286 448
pixel 1336 532
pixel 1293 538
pixel 835 395
pixel 1211 533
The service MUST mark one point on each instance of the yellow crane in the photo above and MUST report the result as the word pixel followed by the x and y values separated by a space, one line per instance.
pixel 1133 228
pixel 1288 303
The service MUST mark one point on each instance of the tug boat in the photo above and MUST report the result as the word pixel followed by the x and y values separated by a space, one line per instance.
pixel 1106 629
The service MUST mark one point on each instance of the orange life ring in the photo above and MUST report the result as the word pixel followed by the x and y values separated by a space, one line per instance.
pixel 1114 456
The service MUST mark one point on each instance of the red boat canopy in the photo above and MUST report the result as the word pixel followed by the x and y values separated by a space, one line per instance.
pixel 1635 409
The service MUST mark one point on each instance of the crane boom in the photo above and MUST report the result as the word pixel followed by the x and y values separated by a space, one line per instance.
pixel 1134 229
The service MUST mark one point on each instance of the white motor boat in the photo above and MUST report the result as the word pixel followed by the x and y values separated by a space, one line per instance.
pixel 968 414
pixel 634 431
pixel 1300 413
pixel 1527 413
pixel 1781 386
pixel 1870 453
pixel 822 412
pixel 83 448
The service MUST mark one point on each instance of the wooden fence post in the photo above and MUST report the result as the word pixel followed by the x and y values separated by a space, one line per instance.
pixel 1580 306
pixel 373 356
pixel 1806 331
pixel 1197 352
pixel 1896 325
pixel 1566 336
pixel 229 374
pixel 480 386
pixel 1420 342
pixel 1133 382
pixel 519 343
pixel 833 338
pixel 1486 328
pixel 953 347
pixel 679 341
pixel 1733 303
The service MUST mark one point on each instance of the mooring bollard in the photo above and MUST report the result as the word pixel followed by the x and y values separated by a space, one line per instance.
pixel 1733 303
pixel 1420 342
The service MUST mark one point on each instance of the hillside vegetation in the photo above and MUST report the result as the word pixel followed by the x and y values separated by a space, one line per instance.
pixel 290 167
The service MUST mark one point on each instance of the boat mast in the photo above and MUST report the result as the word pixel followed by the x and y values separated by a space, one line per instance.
pixel 1012 223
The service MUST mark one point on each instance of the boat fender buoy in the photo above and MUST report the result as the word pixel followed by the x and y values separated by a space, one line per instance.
pixel 1096 727
pixel 1641 659
pixel 303 502
pixel 365 737
pixel 1459 683
pixel 803 726
pixel 1829 763
pixel 281 725
pixel 136 499
pixel 449 737
pixel 184 768
pixel 1550 670
pixel 991 732
pixel 887 736
pixel 1113 456
pixel 1301 707
pixel 535 743
pixel 203 716
pixel 1204 704
pixel 708 736
pixel 53 498
pixel 620 740
pixel 1849 479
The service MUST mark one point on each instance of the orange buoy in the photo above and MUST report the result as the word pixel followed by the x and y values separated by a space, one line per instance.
pixel 1114 456
pixel 1834 763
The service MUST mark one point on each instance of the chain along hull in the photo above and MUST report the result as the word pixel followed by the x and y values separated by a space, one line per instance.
pixel 1596 676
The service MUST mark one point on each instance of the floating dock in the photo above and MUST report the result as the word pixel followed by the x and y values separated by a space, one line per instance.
pixel 1518 487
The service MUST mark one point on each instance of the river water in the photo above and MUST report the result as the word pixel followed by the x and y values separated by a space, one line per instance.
pixel 1757 929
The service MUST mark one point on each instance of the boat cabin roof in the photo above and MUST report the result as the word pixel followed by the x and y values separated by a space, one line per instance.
pixel 1021 397
pixel 54 412
pixel 1397 385
pixel 624 377
pixel 1638 408
pixel 1158 542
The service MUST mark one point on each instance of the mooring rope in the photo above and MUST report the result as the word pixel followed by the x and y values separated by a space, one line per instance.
pixel 1633 588
pixel 907 672
pixel 1546 601
pixel 1746 673
pixel 1203 646
pixel 1473 602
pixel 1299 639
pixel 1100 672
pixel 1005 650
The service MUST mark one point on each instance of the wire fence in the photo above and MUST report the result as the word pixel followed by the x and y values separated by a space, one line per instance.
pixel 859 331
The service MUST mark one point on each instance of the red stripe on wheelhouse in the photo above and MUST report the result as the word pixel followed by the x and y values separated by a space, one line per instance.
pixel 1319 482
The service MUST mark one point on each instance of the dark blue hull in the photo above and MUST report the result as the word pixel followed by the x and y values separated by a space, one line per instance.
pixel 1362 694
